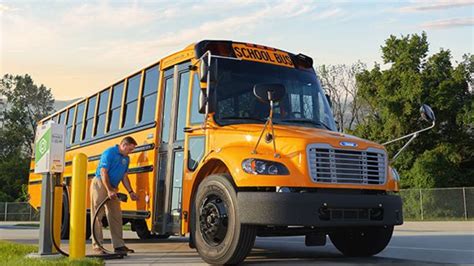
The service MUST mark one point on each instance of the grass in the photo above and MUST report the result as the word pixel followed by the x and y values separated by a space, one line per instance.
pixel 14 254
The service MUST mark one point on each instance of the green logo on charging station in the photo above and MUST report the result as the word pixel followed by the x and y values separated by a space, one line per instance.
pixel 43 145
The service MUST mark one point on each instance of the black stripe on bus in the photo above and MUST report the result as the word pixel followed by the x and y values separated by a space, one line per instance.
pixel 141 169
pixel 134 170
pixel 93 158
pixel 137 149
pixel 140 148
pixel 111 136
pixel 36 182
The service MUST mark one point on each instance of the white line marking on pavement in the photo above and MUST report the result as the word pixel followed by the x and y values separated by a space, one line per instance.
pixel 432 249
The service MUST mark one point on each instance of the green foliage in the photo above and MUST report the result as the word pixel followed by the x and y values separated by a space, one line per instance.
pixel 440 157
pixel 27 103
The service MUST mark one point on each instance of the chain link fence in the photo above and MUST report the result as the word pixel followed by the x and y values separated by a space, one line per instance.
pixel 418 205
pixel 18 211
pixel 438 204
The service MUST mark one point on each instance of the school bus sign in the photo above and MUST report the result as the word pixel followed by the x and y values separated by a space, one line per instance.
pixel 49 148
pixel 262 55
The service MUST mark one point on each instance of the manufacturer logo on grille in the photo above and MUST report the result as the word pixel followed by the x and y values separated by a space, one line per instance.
pixel 348 144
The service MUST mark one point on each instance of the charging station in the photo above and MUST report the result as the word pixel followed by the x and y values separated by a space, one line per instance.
pixel 49 162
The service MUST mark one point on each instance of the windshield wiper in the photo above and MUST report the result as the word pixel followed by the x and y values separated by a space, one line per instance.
pixel 244 118
pixel 307 121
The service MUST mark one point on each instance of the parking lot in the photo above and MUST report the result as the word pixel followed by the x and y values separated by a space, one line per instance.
pixel 412 243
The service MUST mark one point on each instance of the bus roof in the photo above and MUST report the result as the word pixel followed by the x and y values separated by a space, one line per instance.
pixel 196 50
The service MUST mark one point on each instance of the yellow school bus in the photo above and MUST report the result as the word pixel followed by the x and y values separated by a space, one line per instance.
pixel 236 140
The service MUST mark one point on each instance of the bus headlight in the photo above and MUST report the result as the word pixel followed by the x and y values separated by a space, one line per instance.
pixel 264 167
pixel 395 175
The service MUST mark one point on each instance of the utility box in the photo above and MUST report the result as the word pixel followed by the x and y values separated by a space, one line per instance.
pixel 50 148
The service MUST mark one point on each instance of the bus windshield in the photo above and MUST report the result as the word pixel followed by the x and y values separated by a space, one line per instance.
pixel 304 104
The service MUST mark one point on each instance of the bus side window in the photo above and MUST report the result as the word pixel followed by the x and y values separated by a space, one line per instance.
pixel 196 117
pixel 62 118
pixel 115 106
pixel 195 151
pixel 101 113
pixel 70 119
pixel 131 101
pixel 79 121
pixel 90 117
pixel 183 99
pixel 150 90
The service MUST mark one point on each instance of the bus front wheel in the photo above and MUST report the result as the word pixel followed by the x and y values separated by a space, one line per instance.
pixel 361 241
pixel 219 236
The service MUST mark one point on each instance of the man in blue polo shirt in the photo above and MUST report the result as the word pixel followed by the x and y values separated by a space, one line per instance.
pixel 112 170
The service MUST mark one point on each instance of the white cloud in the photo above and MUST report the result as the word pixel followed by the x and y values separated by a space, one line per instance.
pixel 103 14
pixel 4 8
pixel 434 5
pixel 232 26
pixel 330 13
pixel 448 23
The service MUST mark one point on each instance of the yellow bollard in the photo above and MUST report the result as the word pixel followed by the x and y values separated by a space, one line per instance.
pixel 77 231
pixel 57 205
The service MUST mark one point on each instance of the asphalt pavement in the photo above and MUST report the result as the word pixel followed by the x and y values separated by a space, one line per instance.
pixel 414 243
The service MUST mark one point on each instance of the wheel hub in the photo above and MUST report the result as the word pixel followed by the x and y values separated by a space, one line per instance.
pixel 213 220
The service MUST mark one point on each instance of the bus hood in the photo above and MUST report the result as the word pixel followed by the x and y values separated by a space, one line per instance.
pixel 290 137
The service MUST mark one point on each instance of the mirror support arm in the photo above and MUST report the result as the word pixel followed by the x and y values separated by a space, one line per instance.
pixel 409 135
pixel 412 135
pixel 268 122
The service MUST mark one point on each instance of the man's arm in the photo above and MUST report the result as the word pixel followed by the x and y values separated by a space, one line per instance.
pixel 106 182
pixel 128 187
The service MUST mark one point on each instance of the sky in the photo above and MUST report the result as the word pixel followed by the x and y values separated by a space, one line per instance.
pixel 77 48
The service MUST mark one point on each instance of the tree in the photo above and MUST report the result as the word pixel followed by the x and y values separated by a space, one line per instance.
pixel 339 83
pixel 27 104
pixel 444 155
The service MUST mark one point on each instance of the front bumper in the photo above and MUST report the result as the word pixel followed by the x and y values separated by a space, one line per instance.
pixel 318 209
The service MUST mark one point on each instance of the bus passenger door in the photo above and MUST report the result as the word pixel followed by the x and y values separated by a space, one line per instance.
pixel 171 150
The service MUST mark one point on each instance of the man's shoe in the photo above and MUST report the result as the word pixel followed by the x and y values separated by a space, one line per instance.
pixel 98 251
pixel 123 250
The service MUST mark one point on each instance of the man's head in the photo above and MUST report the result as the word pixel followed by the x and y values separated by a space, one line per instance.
pixel 127 145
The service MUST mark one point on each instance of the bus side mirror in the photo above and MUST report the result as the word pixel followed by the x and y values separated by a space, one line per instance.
pixel 427 113
pixel 269 92
pixel 203 70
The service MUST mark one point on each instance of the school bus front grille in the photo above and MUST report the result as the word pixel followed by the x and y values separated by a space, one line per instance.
pixel 340 166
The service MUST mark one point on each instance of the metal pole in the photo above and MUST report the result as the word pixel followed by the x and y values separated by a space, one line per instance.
pixel 6 210
pixel 77 231
pixel 45 244
pixel 421 204
pixel 29 206
pixel 465 205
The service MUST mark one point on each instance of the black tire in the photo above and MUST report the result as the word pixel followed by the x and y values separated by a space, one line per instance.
pixel 88 226
pixel 140 227
pixel 219 236
pixel 66 219
pixel 361 241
